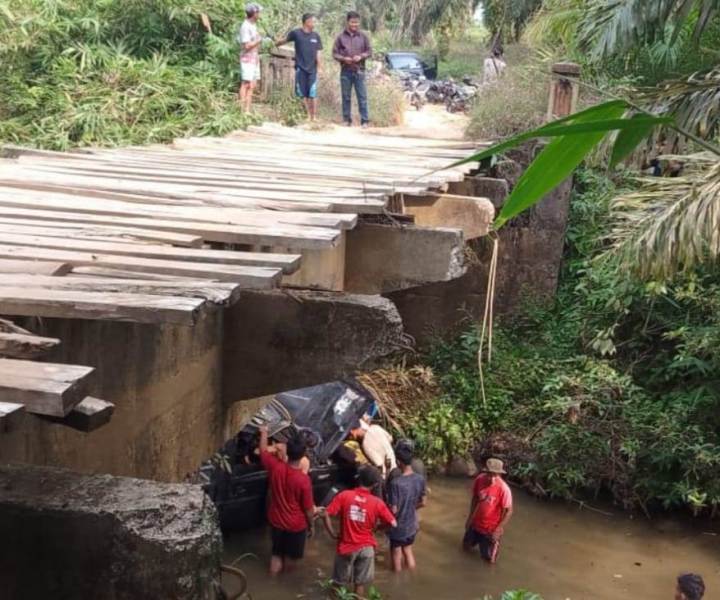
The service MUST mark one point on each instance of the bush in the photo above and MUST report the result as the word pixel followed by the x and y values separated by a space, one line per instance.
pixel 518 101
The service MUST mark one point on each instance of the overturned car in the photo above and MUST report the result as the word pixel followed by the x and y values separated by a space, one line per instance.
pixel 322 415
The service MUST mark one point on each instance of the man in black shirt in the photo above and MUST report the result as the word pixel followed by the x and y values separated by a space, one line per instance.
pixel 307 61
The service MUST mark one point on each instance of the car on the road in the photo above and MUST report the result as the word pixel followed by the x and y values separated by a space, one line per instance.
pixel 410 63
pixel 322 414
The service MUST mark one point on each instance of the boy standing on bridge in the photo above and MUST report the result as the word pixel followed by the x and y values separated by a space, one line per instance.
pixel 360 512
pixel 490 511
pixel 307 62
pixel 291 510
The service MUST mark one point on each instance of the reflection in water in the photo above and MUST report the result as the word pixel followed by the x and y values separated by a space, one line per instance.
pixel 553 549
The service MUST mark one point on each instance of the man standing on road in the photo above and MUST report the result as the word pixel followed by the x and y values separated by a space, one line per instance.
pixel 308 62
pixel 249 40
pixel 291 511
pixel 490 511
pixel 351 50
pixel 360 512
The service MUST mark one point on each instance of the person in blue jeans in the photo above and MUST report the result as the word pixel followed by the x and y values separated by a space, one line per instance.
pixel 351 50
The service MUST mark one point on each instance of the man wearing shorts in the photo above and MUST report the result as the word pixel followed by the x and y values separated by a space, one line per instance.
pixel 405 494
pixel 291 510
pixel 360 512
pixel 490 511
pixel 249 40
pixel 307 62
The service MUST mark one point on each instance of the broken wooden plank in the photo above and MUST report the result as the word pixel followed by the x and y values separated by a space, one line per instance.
pixel 19 345
pixel 44 388
pixel 11 415
pixel 39 267
pixel 88 415
pixel 67 304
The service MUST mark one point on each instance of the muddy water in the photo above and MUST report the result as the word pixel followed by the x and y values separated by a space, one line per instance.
pixel 555 549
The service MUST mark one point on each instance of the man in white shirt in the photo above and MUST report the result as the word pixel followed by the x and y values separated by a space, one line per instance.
pixel 249 40
pixel 493 67
pixel 376 444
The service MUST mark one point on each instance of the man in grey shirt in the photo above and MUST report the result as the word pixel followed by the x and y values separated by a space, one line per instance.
pixel 405 494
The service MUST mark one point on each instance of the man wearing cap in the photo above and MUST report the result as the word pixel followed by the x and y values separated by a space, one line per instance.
pixel 307 62
pixel 490 511
pixel 249 40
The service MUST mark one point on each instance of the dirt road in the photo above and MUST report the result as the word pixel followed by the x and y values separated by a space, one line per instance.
pixel 432 121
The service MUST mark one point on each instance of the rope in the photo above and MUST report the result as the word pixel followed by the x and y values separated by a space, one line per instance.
pixel 487 322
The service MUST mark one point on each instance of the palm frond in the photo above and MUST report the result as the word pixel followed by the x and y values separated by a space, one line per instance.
pixel 670 224
pixel 612 26
pixel 694 102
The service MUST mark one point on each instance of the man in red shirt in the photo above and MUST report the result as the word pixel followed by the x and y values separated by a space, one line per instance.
pixel 359 513
pixel 490 511
pixel 291 511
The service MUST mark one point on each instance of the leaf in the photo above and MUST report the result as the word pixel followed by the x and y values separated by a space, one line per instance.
pixel 628 138
pixel 555 163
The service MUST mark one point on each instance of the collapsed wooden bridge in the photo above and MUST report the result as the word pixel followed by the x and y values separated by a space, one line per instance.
pixel 164 234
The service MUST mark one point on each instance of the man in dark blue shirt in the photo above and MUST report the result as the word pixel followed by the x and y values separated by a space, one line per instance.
pixel 307 62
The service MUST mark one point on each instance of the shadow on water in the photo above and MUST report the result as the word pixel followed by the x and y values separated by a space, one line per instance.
pixel 557 550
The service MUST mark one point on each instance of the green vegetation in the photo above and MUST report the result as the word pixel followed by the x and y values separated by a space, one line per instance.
pixel 614 387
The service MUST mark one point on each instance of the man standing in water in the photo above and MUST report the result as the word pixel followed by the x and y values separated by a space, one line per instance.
pixel 689 587
pixel 360 512
pixel 376 444
pixel 291 510
pixel 351 50
pixel 307 62
pixel 249 40
pixel 405 494
pixel 490 511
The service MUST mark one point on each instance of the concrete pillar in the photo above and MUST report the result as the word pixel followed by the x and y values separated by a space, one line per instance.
pixel 73 536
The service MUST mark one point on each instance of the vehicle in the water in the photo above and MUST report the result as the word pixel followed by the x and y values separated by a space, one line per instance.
pixel 322 414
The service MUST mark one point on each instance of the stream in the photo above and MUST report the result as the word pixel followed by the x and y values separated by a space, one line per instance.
pixel 558 550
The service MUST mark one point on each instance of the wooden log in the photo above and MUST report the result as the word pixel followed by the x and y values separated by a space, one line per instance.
pixel 44 388
pixel 18 345
pixel 67 304
pixel 38 267
pixel 88 415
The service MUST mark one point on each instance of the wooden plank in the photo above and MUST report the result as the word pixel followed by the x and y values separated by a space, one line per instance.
pixel 10 327
pixel 216 292
pixel 19 345
pixel 98 232
pixel 88 415
pixel 44 388
pixel 68 304
pixel 288 263
pixel 11 416
pixel 39 267
pixel 472 215
pixel 247 276
pixel 296 237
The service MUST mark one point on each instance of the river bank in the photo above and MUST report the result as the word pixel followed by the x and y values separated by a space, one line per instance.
pixel 555 549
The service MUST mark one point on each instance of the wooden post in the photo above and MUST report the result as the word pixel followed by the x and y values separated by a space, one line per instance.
pixel 563 90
